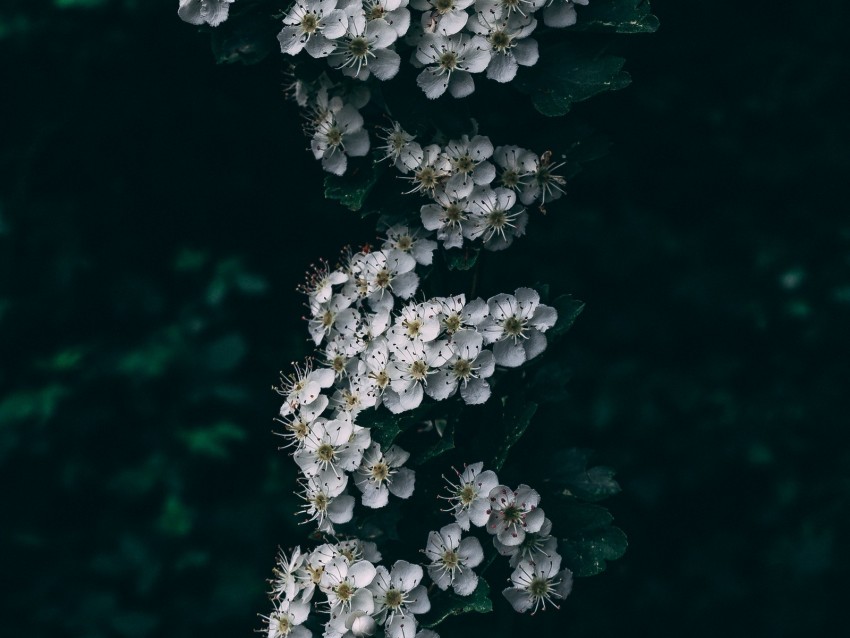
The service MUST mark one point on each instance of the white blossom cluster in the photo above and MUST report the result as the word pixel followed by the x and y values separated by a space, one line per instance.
pixel 375 354
pixel 450 39
pixel 520 531
pixel 477 192
pixel 359 596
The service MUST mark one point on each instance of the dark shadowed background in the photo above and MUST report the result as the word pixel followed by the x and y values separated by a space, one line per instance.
pixel 157 210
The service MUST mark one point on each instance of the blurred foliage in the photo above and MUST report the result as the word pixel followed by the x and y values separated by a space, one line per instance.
pixel 155 209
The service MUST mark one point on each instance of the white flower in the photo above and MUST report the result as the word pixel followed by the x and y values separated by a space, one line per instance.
pixel 394 12
pixel 447 217
pixel 359 623
pixel 286 583
pixel 327 503
pixel 493 218
pixel 506 8
pixel 285 621
pixel 536 547
pixel 469 165
pixel 297 424
pixel 312 24
pixel 399 237
pixel 345 585
pixel 414 361
pixel 415 322
pixel 400 147
pixel 432 167
pixel 543 183
pixel 509 43
pixel 561 13
pixel 452 559
pixel 211 12
pixel 341 352
pixel 456 314
pixel 332 448
pixel 320 281
pixel 355 549
pixel 338 136
pixel 535 584
pixel 516 164
pixel 377 359
pixel 445 17
pixel 303 386
pixel 359 395
pixel 398 596
pixel 516 324
pixel 388 271
pixel 451 60
pixel 381 474
pixel 470 496
pixel 514 514
pixel 311 573
pixel 363 48
pixel 334 314
pixel 468 367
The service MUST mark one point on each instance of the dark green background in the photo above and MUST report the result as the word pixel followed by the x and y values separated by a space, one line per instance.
pixel 157 210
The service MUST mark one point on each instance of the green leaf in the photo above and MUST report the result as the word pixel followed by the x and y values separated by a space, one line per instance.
pixel 591 539
pixel 351 189
pixel 213 441
pixel 571 73
pixel 447 604
pixel 38 405
pixel 571 474
pixel 384 425
pixel 461 258
pixel 246 38
pixel 175 519
pixel 617 16
pixel 445 443
pixel 568 311
pixel 515 420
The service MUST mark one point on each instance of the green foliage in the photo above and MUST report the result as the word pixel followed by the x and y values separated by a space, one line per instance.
pixel 571 72
pixel 568 311
pixel 351 189
pixel 571 474
pixel 461 258
pixel 516 417
pixel 213 441
pixel 618 16
pixel 588 539
pixel 445 604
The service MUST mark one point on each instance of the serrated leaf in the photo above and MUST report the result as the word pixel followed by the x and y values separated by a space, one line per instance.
pixel 568 311
pixel 591 540
pixel 571 73
pixel 515 420
pixel 461 258
pixel 447 604
pixel 617 16
pixel 571 474
pixel 351 189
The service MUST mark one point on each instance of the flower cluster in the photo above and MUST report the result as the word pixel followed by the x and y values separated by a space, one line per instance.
pixel 358 595
pixel 476 191
pixel 520 531
pixel 376 355
pixel 450 39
